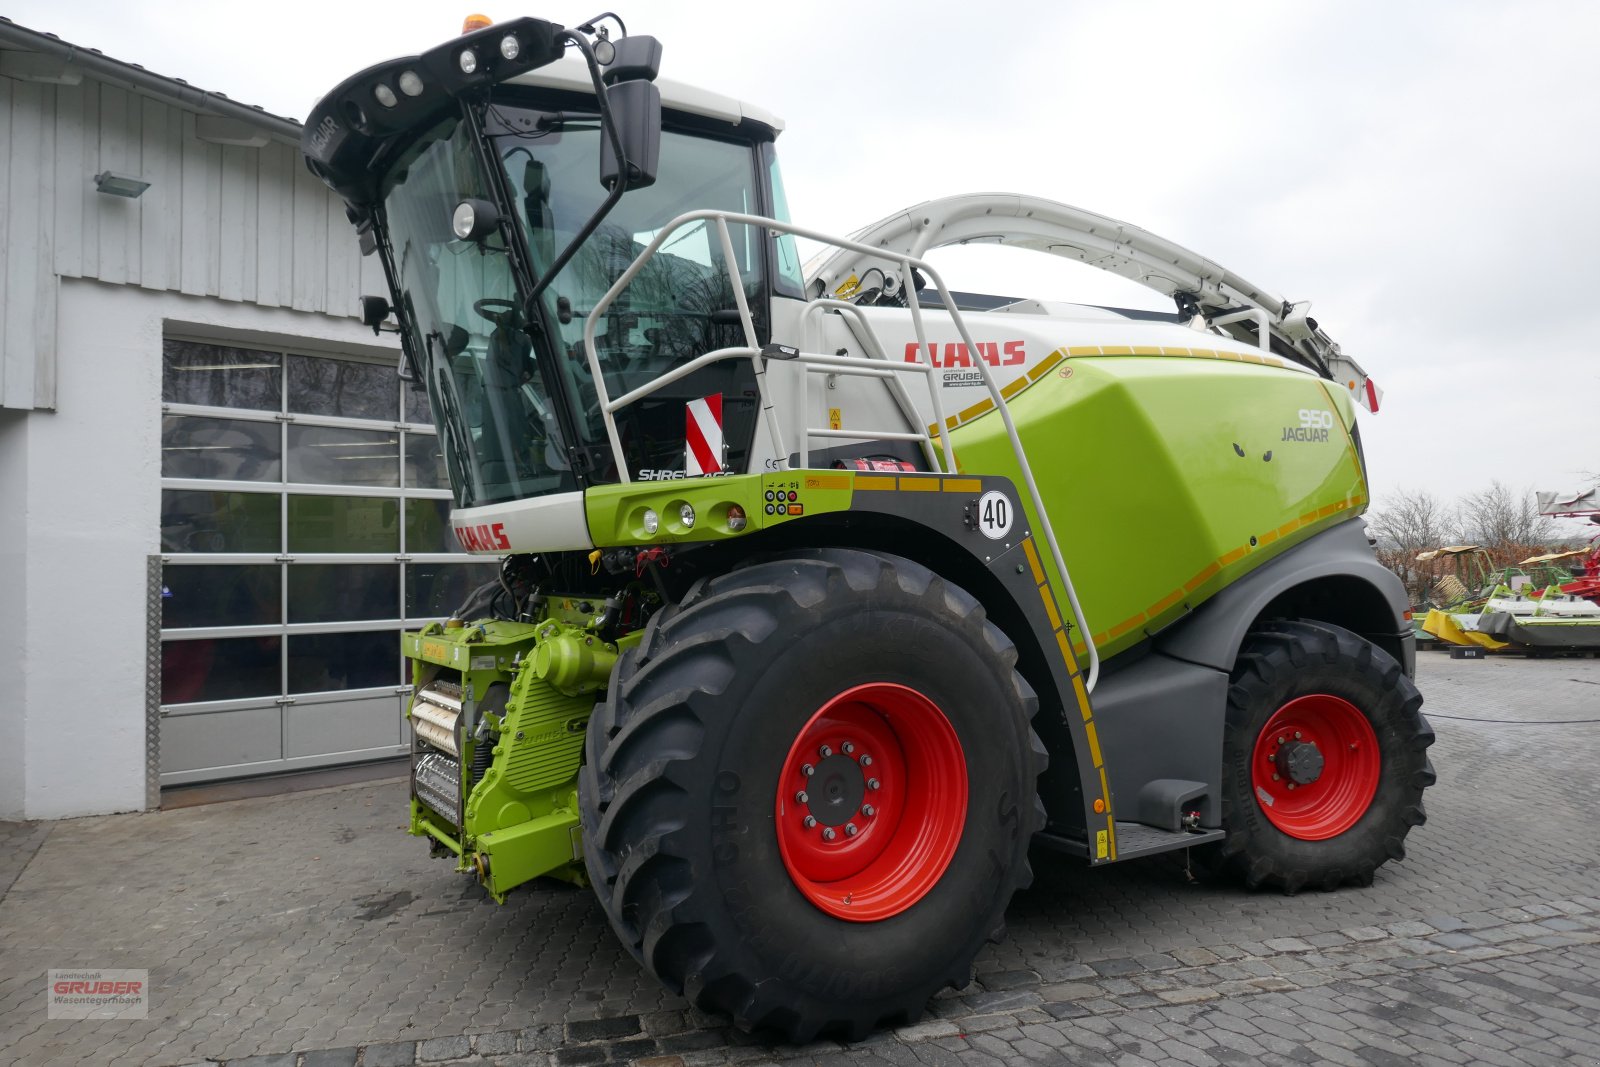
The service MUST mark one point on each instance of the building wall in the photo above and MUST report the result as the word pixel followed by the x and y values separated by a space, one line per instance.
pixel 91 517
pixel 224 220
pixel 13 602
pixel 230 240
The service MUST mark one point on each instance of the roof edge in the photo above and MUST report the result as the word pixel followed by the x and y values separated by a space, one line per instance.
pixel 181 93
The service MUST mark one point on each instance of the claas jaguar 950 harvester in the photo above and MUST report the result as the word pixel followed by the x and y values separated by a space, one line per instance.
pixel 814 610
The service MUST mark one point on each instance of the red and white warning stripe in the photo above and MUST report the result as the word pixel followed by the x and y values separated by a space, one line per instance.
pixel 702 436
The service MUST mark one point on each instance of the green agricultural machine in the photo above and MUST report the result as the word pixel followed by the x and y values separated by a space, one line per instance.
pixel 813 614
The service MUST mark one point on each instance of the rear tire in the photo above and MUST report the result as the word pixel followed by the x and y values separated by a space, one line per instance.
pixel 686 798
pixel 1338 723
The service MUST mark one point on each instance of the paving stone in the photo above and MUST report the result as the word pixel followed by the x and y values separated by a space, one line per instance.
pixel 927 1030
pixel 578 1056
pixel 391 1054
pixel 496 1044
pixel 600 1029
pixel 330 1057
pixel 443 1048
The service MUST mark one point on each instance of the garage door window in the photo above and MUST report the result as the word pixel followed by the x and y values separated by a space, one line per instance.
pixel 304 525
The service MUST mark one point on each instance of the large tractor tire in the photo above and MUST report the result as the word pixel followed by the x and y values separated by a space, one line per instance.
pixel 1324 760
pixel 808 795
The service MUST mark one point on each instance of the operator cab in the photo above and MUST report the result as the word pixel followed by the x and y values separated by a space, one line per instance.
pixel 496 200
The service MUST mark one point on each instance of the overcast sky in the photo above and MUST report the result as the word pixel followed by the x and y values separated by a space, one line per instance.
pixel 1427 174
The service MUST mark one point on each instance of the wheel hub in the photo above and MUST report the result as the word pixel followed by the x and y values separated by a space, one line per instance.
pixel 872 801
pixel 1315 767
pixel 836 790
pixel 1302 760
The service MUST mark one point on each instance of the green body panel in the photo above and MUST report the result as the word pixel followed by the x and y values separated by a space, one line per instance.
pixel 1139 460
pixel 532 687
pixel 615 513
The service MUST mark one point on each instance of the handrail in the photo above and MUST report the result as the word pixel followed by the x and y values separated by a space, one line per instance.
pixel 908 263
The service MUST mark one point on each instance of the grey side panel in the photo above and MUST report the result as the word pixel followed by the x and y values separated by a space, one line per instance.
pixel 1160 726
pixel 1213 634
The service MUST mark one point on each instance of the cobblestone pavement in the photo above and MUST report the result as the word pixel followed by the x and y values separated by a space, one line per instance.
pixel 310 922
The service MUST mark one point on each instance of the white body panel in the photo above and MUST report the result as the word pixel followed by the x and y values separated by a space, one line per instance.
pixel 554 523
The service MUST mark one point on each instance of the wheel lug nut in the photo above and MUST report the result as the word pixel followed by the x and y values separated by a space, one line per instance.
pixel 866 761
pixel 849 749
pixel 824 751
pixel 807 770
pixel 1283 740
pixel 828 834
pixel 1291 785
pixel 809 821
pixel 868 810
pixel 1273 756
pixel 850 829
pixel 1297 735
pixel 872 783
pixel 1274 777
pixel 802 797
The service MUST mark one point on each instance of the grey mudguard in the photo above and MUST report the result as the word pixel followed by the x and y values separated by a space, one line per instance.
pixel 1212 635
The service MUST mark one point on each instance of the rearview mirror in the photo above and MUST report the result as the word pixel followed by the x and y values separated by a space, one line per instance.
pixel 636 111
pixel 635 105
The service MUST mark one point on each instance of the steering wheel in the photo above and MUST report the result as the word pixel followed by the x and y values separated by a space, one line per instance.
pixel 496 310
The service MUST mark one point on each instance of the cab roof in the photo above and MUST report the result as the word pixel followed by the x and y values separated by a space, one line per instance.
pixel 572 74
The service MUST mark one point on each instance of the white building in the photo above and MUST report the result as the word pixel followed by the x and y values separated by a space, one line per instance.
pixel 220 503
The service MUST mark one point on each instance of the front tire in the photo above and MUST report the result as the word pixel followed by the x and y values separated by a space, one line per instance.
pixel 1324 760
pixel 777 704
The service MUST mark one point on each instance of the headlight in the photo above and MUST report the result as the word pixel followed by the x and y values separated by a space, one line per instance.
pixel 652 521
pixel 509 46
pixel 468 60
pixel 736 518
pixel 411 83
pixel 686 516
pixel 385 95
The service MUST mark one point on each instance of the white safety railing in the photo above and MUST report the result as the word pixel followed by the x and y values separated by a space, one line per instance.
pixel 875 364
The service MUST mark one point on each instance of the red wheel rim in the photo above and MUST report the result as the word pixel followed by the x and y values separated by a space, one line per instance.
pixel 1315 767
pixel 872 800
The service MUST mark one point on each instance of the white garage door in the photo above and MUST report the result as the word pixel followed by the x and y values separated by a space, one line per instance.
pixel 304 524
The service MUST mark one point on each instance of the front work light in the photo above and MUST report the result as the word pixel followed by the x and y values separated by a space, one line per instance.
pixel 652 521
pixel 509 46
pixel 411 83
pixel 474 219
pixel 686 516
pixel 468 59
pixel 385 95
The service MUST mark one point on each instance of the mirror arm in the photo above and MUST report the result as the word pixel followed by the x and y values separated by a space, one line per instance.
pixel 610 128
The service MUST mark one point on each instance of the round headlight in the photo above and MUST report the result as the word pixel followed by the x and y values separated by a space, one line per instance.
pixel 686 515
pixel 385 95
pixel 652 521
pixel 736 518
pixel 463 221
pixel 509 46
pixel 411 83
pixel 468 60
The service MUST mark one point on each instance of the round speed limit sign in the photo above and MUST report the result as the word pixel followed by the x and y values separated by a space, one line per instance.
pixel 995 514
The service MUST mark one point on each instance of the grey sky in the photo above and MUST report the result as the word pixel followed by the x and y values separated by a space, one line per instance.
pixel 1425 173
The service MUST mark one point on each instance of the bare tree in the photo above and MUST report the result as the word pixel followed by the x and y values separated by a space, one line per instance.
pixel 1406 523
pixel 1505 521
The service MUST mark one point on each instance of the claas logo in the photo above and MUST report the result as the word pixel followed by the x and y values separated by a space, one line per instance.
pixel 994 353
pixel 485 537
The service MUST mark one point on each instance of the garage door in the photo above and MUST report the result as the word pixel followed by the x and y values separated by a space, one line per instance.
pixel 304 524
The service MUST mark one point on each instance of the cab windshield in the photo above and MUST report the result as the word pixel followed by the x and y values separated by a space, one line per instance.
pixel 496 411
